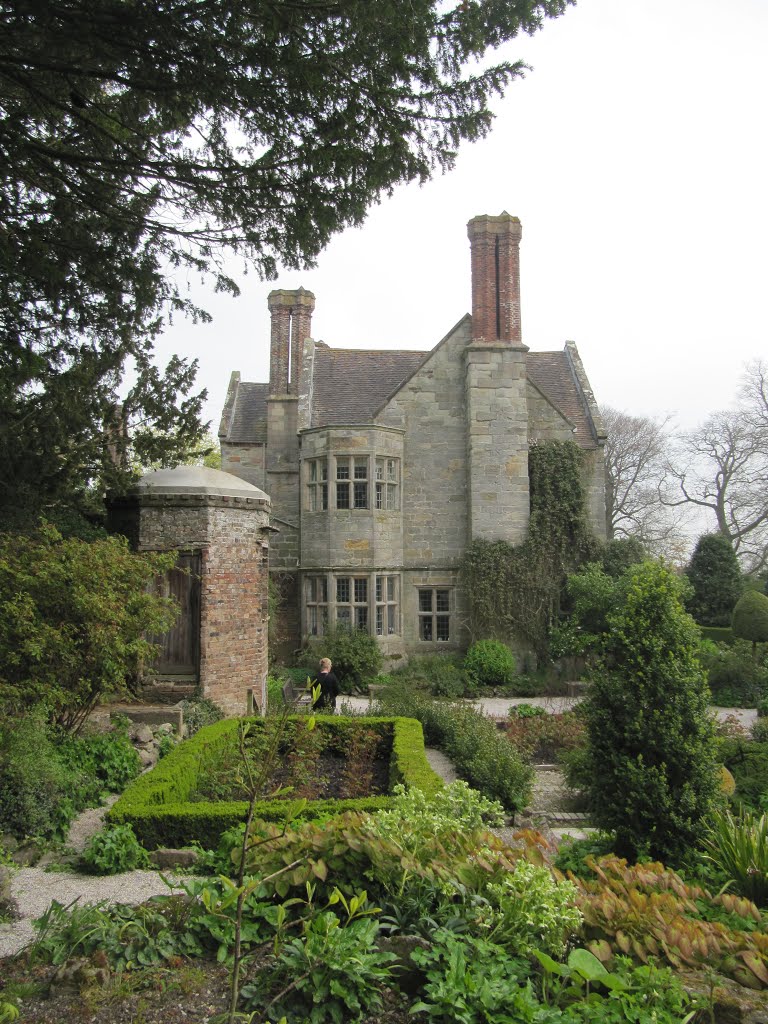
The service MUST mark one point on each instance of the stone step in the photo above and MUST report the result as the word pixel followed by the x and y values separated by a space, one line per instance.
pixel 574 818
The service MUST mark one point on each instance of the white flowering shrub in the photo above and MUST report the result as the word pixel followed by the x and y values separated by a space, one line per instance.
pixel 530 910
pixel 455 808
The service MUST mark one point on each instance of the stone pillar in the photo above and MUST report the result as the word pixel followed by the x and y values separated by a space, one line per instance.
pixel 226 521
pixel 495 381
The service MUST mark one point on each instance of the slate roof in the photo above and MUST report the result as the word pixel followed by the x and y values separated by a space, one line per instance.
pixel 248 423
pixel 351 384
pixel 552 374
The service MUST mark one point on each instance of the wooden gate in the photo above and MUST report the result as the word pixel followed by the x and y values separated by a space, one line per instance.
pixel 180 646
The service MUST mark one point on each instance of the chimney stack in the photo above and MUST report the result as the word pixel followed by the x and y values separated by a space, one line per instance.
pixel 495 247
pixel 291 324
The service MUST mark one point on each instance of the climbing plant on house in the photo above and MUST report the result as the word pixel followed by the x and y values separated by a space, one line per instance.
pixel 514 590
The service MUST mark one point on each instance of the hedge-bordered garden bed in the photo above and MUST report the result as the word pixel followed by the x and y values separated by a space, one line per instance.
pixel 158 803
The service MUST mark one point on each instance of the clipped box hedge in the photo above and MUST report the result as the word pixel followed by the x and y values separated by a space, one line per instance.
pixel 158 807
pixel 718 634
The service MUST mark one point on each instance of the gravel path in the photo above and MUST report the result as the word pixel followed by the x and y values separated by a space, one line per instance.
pixel 34 890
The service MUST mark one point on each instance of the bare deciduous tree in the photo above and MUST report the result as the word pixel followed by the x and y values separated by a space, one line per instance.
pixel 636 453
pixel 722 467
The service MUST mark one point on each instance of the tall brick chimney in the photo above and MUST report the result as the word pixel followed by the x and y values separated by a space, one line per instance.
pixel 291 325
pixel 495 246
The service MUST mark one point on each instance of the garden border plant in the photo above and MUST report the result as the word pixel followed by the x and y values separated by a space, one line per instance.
pixel 158 807
pixel 481 754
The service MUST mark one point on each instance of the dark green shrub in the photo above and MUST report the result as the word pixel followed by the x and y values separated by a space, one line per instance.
pixel 735 678
pixel 621 553
pixel 38 790
pixel 652 773
pixel 47 776
pixel 198 712
pixel 489 663
pixel 298 675
pixel 75 618
pixel 715 578
pixel 748 763
pixel 108 758
pixel 591 594
pixel 750 619
pixel 355 655
pixel 440 674
pixel 527 685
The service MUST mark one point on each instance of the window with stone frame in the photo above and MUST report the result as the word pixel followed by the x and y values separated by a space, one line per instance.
pixel 351 481
pixel 435 614
pixel 387 607
pixel 387 484
pixel 317 485
pixel 316 603
pixel 352 602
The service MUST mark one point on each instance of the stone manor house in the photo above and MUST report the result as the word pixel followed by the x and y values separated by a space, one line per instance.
pixel 382 466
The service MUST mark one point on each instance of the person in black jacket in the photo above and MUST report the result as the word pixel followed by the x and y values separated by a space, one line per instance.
pixel 329 687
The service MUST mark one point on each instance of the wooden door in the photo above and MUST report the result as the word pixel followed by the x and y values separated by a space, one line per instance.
pixel 180 646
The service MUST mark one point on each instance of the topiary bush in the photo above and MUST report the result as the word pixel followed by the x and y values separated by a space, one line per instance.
pixel 750 619
pixel 489 663
pixel 651 770
pixel 715 577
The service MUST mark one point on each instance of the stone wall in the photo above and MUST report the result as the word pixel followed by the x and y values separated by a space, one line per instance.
pixel 429 410
pixel 248 461
pixel 497 442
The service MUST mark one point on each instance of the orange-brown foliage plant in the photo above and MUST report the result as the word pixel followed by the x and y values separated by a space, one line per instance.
pixel 648 911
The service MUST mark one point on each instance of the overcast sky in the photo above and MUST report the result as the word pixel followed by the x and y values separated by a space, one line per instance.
pixel 635 153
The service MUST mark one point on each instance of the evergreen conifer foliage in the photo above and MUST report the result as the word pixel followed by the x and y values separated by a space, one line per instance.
pixel 650 771
pixel 750 619
pixel 139 139
pixel 716 579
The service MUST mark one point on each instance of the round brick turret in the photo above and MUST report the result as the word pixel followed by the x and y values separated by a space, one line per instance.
pixel 220 525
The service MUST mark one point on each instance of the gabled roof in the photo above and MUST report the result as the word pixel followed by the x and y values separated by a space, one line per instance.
pixel 351 384
pixel 552 374
pixel 248 414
